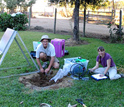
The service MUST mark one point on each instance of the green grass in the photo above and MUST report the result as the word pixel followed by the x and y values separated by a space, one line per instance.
pixel 104 93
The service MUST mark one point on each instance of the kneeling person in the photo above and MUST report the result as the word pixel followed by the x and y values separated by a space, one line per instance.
pixel 46 52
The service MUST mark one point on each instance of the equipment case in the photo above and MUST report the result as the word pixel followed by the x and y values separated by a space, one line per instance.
pixel 59 45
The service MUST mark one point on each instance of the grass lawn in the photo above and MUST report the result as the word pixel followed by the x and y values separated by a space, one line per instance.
pixel 104 93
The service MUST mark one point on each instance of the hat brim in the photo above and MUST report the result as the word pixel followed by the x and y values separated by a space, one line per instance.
pixel 45 38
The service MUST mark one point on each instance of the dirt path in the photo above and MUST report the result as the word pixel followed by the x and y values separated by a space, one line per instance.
pixel 66 25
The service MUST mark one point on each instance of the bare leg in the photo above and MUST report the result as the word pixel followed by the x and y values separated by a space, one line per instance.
pixel 56 65
pixel 43 57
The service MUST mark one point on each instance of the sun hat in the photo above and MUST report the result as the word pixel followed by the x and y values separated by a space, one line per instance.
pixel 45 37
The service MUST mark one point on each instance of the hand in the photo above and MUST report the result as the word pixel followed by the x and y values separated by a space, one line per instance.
pixel 101 75
pixel 47 70
pixel 91 70
pixel 42 70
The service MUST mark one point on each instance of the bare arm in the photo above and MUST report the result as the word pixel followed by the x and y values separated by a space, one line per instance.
pixel 108 66
pixel 39 64
pixel 50 64
pixel 95 67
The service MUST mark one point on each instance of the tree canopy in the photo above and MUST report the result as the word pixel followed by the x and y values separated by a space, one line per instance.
pixel 92 3
pixel 13 4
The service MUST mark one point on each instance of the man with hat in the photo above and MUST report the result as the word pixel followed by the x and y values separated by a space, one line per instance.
pixel 46 52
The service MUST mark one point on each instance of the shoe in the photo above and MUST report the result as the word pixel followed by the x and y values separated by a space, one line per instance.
pixel 44 65
pixel 122 75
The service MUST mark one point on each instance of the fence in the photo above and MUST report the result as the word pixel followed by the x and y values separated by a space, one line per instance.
pixel 102 17
pixel 117 17
pixel 98 16
pixel 65 25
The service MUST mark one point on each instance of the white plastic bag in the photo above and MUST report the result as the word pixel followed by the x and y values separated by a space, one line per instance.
pixel 62 72
pixel 57 76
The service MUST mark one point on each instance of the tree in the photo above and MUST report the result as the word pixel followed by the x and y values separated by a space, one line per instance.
pixel 13 4
pixel 94 4
pixel 78 3
pixel 2 7
pixel 113 4
pixel 76 21
pixel 119 4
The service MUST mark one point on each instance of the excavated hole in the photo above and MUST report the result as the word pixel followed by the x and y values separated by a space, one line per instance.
pixel 41 82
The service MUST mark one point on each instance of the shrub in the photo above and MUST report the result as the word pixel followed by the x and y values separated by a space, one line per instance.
pixel 115 33
pixel 5 21
pixel 17 22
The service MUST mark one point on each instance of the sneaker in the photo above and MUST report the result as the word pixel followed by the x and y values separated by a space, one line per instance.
pixel 44 65
pixel 122 75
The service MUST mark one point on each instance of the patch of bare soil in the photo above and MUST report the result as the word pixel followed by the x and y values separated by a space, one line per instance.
pixel 71 42
pixel 40 81
pixel 68 42
pixel 104 38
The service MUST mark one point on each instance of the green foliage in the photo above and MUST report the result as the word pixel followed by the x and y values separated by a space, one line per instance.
pixel 90 3
pixel 2 6
pixel 5 21
pixel 20 21
pixel 96 4
pixel 12 4
pixel 17 22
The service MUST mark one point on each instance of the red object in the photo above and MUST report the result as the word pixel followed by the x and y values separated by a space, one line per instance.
pixel 59 45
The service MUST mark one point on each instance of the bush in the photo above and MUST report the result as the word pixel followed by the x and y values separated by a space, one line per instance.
pixel 115 33
pixel 5 21
pixel 17 22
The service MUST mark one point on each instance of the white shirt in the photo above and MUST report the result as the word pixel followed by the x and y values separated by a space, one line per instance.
pixel 49 51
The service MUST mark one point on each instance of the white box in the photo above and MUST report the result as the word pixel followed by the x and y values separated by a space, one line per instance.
pixel 35 44
pixel 71 60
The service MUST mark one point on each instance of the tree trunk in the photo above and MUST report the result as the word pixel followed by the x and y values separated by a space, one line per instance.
pixel 84 20
pixel 113 5
pixel 31 11
pixel 76 21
